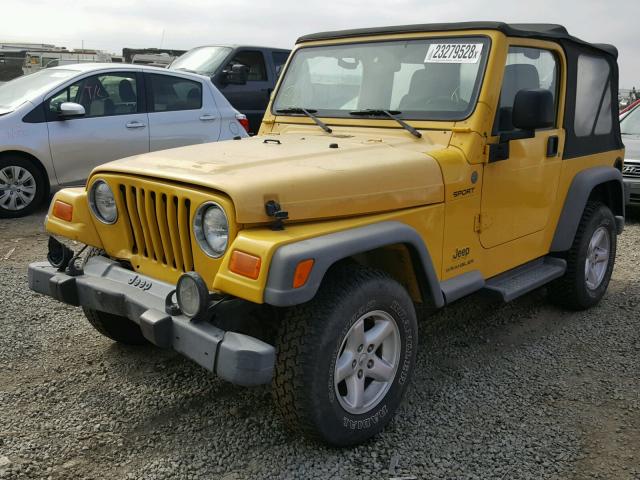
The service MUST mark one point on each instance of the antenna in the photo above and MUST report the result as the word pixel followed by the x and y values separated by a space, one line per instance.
pixel 162 38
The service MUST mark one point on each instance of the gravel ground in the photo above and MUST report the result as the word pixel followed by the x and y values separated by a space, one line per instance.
pixel 514 391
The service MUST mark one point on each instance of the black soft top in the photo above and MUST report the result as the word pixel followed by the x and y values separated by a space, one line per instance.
pixel 542 31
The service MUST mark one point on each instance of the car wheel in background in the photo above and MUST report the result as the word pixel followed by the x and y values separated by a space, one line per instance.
pixel 23 187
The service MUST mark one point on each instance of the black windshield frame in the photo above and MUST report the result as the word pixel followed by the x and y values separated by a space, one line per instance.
pixel 429 116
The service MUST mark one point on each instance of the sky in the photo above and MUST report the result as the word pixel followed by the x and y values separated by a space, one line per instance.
pixel 113 24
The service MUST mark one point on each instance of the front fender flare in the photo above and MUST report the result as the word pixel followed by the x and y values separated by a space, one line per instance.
pixel 329 249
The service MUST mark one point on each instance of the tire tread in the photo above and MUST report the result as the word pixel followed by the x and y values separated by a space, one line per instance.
pixel 303 324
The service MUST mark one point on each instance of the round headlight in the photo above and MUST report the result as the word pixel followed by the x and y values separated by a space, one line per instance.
pixel 102 202
pixel 211 229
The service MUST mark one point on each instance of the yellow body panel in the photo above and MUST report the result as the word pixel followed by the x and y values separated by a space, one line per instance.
pixel 366 172
pixel 428 221
pixel 81 227
pixel 471 214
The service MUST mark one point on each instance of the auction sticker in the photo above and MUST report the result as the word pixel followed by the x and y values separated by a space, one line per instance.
pixel 453 53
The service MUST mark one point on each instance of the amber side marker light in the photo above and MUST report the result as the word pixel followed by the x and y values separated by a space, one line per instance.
pixel 245 264
pixel 303 270
pixel 63 210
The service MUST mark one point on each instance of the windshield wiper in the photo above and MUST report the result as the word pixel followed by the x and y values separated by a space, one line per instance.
pixel 309 112
pixel 388 113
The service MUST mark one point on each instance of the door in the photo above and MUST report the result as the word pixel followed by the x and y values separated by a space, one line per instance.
pixel 114 126
pixel 181 112
pixel 251 98
pixel 519 192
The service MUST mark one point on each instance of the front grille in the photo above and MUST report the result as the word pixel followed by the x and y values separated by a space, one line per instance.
pixel 634 198
pixel 159 223
pixel 630 170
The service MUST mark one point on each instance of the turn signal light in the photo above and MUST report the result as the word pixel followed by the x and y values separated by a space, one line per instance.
pixel 303 270
pixel 245 264
pixel 63 210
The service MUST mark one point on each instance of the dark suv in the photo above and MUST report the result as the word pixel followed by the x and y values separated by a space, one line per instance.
pixel 245 75
pixel 630 129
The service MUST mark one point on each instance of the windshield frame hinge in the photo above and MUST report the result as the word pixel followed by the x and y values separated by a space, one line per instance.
pixel 273 209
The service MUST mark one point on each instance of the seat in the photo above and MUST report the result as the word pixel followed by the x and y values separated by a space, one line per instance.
pixel 128 97
pixel 126 91
pixel 516 77
pixel 428 85
pixel 194 98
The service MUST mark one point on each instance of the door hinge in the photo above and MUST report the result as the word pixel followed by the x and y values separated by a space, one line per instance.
pixel 481 223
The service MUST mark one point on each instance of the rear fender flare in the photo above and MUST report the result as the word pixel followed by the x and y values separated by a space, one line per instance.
pixel 579 192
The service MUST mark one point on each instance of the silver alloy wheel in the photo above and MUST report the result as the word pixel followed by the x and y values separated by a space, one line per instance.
pixel 367 362
pixel 597 261
pixel 17 188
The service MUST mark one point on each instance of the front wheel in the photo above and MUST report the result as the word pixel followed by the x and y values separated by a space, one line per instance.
pixel 345 358
pixel 23 187
pixel 115 327
pixel 589 261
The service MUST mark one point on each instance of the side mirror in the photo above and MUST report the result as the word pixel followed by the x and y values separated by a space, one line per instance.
pixel 533 109
pixel 71 110
pixel 236 74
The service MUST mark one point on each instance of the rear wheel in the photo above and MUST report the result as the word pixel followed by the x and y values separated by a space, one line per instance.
pixel 23 187
pixel 345 358
pixel 590 260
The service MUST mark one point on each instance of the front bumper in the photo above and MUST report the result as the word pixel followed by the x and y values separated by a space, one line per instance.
pixel 632 190
pixel 106 286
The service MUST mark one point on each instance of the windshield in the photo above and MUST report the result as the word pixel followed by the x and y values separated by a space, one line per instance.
pixel 630 125
pixel 203 60
pixel 430 79
pixel 17 91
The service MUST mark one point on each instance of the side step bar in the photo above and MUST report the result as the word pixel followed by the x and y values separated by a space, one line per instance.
pixel 514 283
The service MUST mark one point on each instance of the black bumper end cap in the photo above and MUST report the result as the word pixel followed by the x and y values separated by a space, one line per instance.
pixel 245 360
pixel 156 327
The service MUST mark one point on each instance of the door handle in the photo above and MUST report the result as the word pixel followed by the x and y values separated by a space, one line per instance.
pixel 135 124
pixel 207 117
pixel 552 146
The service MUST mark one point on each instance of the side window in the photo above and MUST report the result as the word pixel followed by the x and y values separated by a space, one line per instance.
pixel 168 93
pixel 100 95
pixel 255 61
pixel 279 59
pixel 526 68
pixel 593 97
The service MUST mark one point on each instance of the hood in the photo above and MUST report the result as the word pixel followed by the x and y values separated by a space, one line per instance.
pixel 310 176
pixel 632 147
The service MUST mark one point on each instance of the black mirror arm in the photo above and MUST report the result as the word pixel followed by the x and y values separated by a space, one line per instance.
pixel 500 151
pixel 516 135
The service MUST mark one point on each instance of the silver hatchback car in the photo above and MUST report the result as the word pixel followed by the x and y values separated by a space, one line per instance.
pixel 57 124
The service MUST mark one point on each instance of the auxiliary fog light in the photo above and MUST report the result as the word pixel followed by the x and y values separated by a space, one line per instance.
pixel 192 294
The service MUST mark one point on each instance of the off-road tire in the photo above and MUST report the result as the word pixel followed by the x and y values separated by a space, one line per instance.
pixel 41 184
pixel 571 291
pixel 115 327
pixel 309 338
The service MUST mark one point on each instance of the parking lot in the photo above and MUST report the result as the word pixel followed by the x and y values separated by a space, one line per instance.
pixel 522 390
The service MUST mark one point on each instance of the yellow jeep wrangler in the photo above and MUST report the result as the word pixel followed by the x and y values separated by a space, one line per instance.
pixel 397 169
